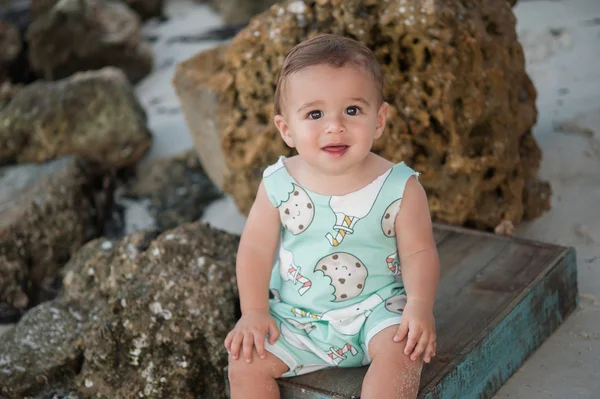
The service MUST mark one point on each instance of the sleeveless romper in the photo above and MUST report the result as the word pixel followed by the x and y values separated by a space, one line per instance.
pixel 336 277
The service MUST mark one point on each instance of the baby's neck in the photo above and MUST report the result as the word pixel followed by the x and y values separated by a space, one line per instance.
pixel 321 182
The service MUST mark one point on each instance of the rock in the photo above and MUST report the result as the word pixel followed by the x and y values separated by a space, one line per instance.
pixel 50 332
pixel 177 187
pixel 147 9
pixel 461 105
pixel 154 312
pixel 92 114
pixel 46 213
pixel 80 35
pixel 239 11
pixel 171 301
pixel 10 47
pixel 199 83
pixel 7 92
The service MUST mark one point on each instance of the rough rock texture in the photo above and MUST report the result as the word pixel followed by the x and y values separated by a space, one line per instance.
pixel 171 302
pixel 7 92
pixel 44 348
pixel 46 213
pixel 156 313
pixel 461 112
pixel 93 114
pixel 10 47
pixel 239 11
pixel 177 187
pixel 80 35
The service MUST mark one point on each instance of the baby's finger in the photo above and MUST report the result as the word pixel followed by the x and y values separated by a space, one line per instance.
pixel 273 333
pixel 429 352
pixel 228 340
pixel 248 344
pixel 259 341
pixel 236 343
pixel 413 338
pixel 421 346
pixel 401 333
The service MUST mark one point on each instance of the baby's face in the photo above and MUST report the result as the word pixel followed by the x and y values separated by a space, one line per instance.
pixel 331 116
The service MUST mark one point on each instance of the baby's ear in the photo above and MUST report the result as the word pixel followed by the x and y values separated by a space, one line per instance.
pixel 381 119
pixel 284 130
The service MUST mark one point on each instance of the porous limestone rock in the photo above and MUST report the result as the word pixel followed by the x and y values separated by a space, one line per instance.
pixel 92 114
pixel 69 36
pixel 46 213
pixel 461 105
pixel 156 312
pixel 43 350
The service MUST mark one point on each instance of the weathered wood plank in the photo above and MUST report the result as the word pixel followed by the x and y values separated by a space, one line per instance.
pixel 490 286
pixel 497 351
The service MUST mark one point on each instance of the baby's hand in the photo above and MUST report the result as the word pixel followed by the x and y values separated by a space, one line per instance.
pixel 419 324
pixel 250 331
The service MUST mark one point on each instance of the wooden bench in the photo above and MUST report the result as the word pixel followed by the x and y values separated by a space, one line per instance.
pixel 499 298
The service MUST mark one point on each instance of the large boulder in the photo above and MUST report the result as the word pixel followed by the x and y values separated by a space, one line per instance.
pixel 92 114
pixel 154 312
pixel 46 213
pixel 239 11
pixel 461 105
pixel 68 36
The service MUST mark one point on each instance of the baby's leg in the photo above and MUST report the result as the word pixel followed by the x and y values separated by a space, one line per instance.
pixel 256 379
pixel 391 374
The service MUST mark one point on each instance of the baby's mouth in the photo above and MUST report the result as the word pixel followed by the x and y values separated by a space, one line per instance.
pixel 337 149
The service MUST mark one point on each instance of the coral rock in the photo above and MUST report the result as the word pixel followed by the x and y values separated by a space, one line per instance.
pixel 461 105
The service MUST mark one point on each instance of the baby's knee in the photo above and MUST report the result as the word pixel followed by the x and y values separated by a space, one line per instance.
pixel 239 370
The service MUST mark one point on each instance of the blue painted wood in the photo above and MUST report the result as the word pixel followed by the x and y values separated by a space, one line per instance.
pixel 519 331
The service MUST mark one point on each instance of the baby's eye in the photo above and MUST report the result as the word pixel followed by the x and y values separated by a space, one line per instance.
pixel 314 115
pixel 352 110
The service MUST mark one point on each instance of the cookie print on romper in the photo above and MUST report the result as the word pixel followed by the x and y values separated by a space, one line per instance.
pixel 297 212
pixel 388 221
pixel 396 304
pixel 352 207
pixel 347 274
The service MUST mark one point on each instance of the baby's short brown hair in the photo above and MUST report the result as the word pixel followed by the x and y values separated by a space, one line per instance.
pixel 332 50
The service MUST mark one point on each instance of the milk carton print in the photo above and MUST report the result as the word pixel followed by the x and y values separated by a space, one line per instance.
pixel 350 208
pixel 349 320
pixel 334 356
pixel 289 271
pixel 308 327
pixel 347 274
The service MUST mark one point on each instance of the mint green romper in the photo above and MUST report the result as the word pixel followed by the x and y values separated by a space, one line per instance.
pixel 336 278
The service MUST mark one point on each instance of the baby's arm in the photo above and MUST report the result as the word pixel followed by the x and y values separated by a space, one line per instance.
pixel 253 268
pixel 420 271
